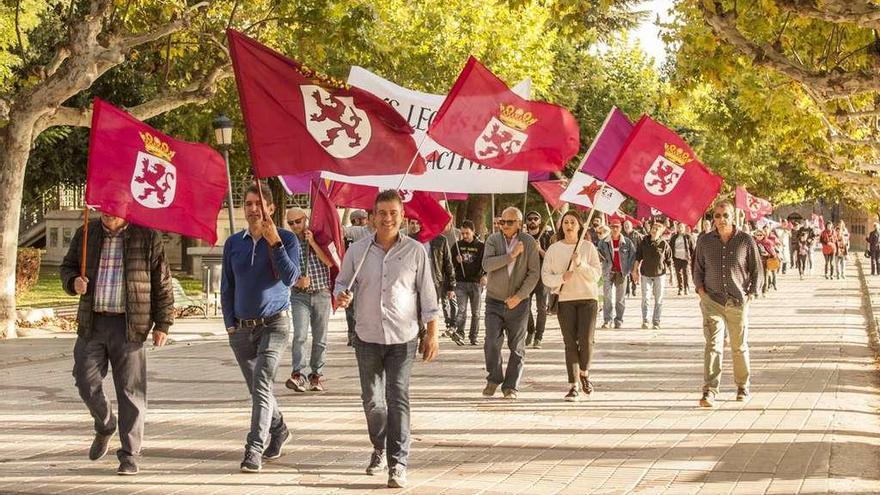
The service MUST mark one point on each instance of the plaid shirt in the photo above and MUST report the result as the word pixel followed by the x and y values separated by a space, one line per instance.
pixel 110 285
pixel 313 268
pixel 728 272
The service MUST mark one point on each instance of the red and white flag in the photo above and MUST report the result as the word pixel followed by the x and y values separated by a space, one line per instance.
pixel 551 190
pixel 484 121
pixel 657 167
pixel 416 204
pixel 586 190
pixel 299 121
pixel 754 207
pixel 148 178
pixel 327 229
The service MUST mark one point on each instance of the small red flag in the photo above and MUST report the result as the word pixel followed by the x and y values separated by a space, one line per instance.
pixel 327 229
pixel 416 204
pixel 658 168
pixel 550 190
pixel 484 121
pixel 299 121
pixel 754 207
pixel 148 178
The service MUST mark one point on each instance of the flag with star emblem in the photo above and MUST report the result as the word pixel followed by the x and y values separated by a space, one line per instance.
pixel 586 190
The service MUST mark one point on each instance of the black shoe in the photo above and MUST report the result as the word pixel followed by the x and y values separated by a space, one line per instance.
pixel 528 339
pixel 100 445
pixel 536 344
pixel 252 462
pixel 273 451
pixel 457 338
pixel 474 342
pixel 573 395
pixel 618 324
pixel 378 463
pixel 127 467
pixel 586 385
pixel 742 394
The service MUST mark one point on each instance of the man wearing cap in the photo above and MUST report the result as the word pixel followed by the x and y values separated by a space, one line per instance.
pixel 260 264
pixel 653 261
pixel 537 323
pixel 309 305
pixel 617 253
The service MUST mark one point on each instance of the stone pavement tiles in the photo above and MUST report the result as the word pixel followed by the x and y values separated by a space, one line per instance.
pixel 811 427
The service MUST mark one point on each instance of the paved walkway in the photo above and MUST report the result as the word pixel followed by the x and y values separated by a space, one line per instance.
pixel 812 426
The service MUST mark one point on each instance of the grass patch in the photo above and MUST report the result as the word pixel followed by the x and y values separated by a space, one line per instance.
pixel 49 294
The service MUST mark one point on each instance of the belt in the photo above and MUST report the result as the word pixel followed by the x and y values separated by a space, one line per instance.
pixel 105 314
pixel 259 322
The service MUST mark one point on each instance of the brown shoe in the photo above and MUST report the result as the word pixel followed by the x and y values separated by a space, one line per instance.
pixel 586 385
pixel 490 389
pixel 708 399
pixel 315 384
pixel 296 382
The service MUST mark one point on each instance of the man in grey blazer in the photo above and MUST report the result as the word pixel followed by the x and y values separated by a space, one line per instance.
pixel 513 267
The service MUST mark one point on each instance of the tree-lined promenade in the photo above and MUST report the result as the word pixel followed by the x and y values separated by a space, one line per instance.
pixel 811 427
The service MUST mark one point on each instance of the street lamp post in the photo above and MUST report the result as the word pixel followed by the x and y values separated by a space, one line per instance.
pixel 223 136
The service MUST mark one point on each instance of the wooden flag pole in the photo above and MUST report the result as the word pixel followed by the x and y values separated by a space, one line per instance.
pixel 85 243
pixel 577 246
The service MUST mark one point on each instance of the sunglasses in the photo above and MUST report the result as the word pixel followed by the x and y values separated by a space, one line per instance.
pixel 295 222
pixel 722 215
pixel 509 223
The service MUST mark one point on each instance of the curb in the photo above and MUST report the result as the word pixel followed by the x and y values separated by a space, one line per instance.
pixel 868 310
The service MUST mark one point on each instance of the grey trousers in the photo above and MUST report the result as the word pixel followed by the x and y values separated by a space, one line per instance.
pixel 500 319
pixel 108 345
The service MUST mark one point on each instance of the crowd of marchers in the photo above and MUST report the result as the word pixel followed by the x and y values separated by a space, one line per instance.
pixel 399 293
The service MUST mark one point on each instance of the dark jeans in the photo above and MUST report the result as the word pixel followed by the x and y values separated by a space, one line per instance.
pixel 631 286
pixel 349 321
pixel 829 265
pixel 108 345
pixel 468 293
pixel 498 320
pixel 801 264
pixel 681 273
pixel 577 321
pixel 258 351
pixel 384 372
pixel 537 324
pixel 875 262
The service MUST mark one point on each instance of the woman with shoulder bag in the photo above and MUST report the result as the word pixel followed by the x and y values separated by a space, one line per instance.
pixel 574 276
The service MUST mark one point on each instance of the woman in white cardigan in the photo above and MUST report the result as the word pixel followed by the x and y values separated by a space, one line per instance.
pixel 577 275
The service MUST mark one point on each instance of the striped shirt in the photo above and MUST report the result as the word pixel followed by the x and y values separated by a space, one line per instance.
pixel 110 285
pixel 728 272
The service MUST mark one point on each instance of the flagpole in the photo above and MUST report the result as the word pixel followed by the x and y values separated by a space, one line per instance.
pixel 493 213
pixel 525 200
pixel 413 161
pixel 85 244
pixel 550 214
pixel 452 229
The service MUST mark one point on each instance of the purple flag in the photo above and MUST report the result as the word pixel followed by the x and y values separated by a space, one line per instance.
pixel 539 176
pixel 300 184
pixel 606 147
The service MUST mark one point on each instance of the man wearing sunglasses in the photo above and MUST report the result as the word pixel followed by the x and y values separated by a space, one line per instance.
pixel 513 267
pixel 727 275
pixel 309 305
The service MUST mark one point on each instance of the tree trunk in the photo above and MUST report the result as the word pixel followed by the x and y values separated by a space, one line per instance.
pixel 15 148
pixel 477 207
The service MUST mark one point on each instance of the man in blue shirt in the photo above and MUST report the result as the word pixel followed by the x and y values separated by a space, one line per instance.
pixel 392 286
pixel 260 265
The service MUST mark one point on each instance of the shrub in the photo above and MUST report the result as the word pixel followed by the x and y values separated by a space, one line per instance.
pixel 27 269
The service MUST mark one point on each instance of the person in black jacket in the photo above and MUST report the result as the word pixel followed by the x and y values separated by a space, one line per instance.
pixel 653 259
pixel 538 322
pixel 874 249
pixel 443 273
pixel 682 244
pixel 468 258
pixel 125 294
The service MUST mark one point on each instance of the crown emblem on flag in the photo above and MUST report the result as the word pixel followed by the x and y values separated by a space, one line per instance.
pixel 156 147
pixel 516 117
pixel 676 154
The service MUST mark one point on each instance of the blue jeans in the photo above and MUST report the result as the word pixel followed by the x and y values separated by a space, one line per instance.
pixel 653 286
pixel 384 372
pixel 613 305
pixel 468 293
pixel 258 352
pixel 309 311
pixel 498 320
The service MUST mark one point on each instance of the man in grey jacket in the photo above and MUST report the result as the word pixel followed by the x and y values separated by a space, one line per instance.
pixel 513 267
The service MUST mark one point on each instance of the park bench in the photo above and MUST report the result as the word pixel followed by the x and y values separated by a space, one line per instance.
pixel 185 305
